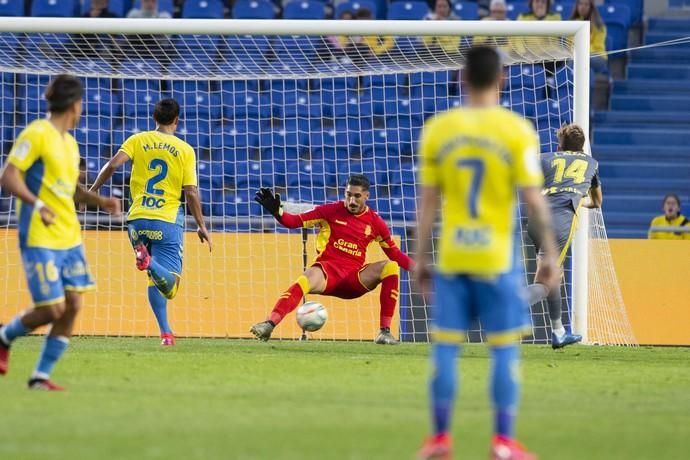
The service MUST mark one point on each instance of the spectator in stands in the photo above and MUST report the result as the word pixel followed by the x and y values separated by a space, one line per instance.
pixel 586 10
pixel 442 12
pixel 341 42
pixel 497 11
pixel 149 9
pixel 539 11
pixel 99 9
pixel 671 218
pixel 376 44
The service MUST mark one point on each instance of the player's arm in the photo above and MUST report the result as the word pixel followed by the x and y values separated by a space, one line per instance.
pixel 191 194
pixel 109 169
pixel 392 250
pixel 272 204
pixel 12 181
pixel 109 204
pixel 594 197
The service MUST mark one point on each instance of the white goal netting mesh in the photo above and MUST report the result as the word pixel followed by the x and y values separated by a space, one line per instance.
pixel 295 113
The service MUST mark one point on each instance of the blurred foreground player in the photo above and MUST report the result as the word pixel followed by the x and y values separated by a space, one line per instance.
pixel 163 171
pixel 42 172
pixel 346 229
pixel 473 160
pixel 571 181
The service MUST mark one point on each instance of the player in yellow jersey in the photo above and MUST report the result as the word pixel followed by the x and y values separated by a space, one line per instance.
pixel 163 170
pixel 474 159
pixel 42 172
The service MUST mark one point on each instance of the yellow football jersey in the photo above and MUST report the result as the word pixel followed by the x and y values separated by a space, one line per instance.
pixel 660 221
pixel 49 162
pixel 478 157
pixel 161 165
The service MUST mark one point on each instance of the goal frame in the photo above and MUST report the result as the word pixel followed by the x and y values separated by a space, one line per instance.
pixel 578 31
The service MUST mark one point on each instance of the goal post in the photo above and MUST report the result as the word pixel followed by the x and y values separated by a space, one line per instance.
pixel 262 106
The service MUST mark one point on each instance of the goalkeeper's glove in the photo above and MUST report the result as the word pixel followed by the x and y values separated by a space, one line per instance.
pixel 269 201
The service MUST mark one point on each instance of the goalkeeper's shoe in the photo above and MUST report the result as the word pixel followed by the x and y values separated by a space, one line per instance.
pixel 263 330
pixel 504 448
pixel 564 340
pixel 43 384
pixel 4 357
pixel 385 337
pixel 437 446
pixel 143 257
pixel 167 339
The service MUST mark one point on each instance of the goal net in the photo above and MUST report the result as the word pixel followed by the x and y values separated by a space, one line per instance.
pixel 296 106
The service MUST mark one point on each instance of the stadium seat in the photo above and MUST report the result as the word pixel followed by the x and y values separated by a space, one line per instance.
pixel 101 101
pixel 203 9
pixel 409 11
pixel 12 8
pixel 196 132
pixel 118 7
pixel 564 8
pixel 54 8
pixel 618 13
pixel 245 105
pixel 304 9
pixel 280 144
pixel 355 5
pixel 636 9
pixel 468 11
pixel 163 5
pixel 93 134
pixel 513 10
pixel 247 52
pixel 253 9
pixel 331 143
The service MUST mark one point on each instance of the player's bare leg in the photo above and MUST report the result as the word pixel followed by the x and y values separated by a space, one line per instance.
pixel 386 273
pixel 559 337
pixel 56 343
pixel 312 281
pixel 23 324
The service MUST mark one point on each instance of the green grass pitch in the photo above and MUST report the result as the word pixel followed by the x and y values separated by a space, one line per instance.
pixel 222 399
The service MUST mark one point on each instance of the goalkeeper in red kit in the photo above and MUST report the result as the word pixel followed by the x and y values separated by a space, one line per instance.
pixel 339 270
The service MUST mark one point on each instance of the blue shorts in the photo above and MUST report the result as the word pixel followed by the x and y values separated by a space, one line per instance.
pixel 499 303
pixel 163 240
pixel 51 272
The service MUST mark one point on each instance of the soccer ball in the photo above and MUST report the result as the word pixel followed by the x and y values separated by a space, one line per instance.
pixel 311 316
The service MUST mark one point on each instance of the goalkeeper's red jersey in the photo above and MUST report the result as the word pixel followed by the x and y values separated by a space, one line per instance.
pixel 344 237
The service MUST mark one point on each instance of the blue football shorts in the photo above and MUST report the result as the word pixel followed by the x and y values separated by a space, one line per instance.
pixel 498 302
pixel 163 240
pixel 51 272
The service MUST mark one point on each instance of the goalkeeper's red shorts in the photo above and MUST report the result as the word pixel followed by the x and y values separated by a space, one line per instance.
pixel 342 280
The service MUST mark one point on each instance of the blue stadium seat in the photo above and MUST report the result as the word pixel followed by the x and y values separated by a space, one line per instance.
pixel 636 9
pixel 163 5
pixel 199 105
pixel 101 101
pixel 409 11
pixel 468 11
pixel 203 9
pixel 54 8
pixel 245 105
pixel 12 8
pixel 139 97
pixel 253 9
pixel 304 9
pixel 513 10
pixel 564 8
pixel 252 174
pixel 280 144
pixel 196 132
pixel 248 52
pixel 93 135
pixel 331 143
pixel 355 5
pixel 118 7
pixel 618 13
pixel 289 104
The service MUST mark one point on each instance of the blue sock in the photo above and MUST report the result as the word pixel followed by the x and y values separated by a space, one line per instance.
pixel 53 348
pixel 162 278
pixel 443 384
pixel 12 330
pixel 505 387
pixel 159 305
